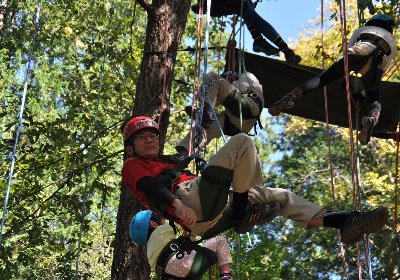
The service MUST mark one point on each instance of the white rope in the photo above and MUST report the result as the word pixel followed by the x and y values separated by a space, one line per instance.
pixel 91 140
pixel 19 127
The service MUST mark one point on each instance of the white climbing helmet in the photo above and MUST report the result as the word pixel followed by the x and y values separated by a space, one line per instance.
pixel 247 81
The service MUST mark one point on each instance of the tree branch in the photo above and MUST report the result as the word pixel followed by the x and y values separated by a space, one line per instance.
pixel 145 5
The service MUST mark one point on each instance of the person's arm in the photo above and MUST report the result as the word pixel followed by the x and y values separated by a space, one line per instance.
pixel 153 188
pixel 186 214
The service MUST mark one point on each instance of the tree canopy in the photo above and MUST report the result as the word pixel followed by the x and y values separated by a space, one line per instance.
pixel 85 60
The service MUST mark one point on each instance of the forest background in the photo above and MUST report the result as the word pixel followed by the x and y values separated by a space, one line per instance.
pixel 65 196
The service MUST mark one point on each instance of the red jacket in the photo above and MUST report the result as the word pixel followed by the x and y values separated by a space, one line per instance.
pixel 136 168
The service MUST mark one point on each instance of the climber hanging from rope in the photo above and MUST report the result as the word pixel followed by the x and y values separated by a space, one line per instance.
pixel 256 25
pixel 199 203
pixel 245 93
pixel 166 254
pixel 371 49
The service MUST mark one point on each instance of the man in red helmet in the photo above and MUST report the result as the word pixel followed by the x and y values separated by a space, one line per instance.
pixel 199 203
pixel 371 48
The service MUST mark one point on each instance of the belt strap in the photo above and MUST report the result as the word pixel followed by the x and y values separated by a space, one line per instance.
pixel 377 41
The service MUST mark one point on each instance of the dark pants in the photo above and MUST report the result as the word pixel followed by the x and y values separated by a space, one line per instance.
pixel 370 80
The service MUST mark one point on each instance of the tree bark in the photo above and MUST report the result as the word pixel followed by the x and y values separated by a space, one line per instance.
pixel 165 26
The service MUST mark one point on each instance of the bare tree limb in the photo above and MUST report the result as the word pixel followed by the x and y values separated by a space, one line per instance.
pixel 145 5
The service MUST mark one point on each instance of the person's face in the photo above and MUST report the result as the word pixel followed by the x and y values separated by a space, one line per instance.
pixel 146 144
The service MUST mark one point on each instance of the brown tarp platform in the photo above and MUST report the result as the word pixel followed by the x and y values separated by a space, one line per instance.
pixel 279 78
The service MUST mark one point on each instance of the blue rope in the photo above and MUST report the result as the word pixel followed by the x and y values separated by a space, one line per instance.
pixel 19 121
pixel 91 139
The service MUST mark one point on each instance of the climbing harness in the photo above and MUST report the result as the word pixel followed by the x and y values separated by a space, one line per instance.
pixel 203 259
pixel 328 139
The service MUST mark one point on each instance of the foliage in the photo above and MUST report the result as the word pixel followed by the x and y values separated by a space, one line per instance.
pixel 66 82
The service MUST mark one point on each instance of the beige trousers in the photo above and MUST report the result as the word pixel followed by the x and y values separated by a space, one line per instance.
pixel 240 155
pixel 218 90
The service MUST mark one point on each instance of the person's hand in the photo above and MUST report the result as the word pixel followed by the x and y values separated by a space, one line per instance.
pixel 185 213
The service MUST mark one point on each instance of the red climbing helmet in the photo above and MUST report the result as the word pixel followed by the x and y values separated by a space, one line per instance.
pixel 139 123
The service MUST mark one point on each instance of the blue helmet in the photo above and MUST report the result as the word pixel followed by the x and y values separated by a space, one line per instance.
pixel 139 227
pixel 383 21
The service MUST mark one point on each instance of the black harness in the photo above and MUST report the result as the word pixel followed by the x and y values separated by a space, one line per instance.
pixel 203 259
pixel 377 41
pixel 232 102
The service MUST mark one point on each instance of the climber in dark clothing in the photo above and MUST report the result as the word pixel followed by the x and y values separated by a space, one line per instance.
pixel 257 26
pixel 371 48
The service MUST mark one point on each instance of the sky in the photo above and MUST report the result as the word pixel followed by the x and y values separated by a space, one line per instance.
pixel 286 16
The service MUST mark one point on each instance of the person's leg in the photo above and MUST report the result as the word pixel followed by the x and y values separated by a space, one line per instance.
pixel 333 73
pixel 239 154
pixel 218 89
pixel 371 79
pixel 369 122
pixel 291 206
pixel 219 245
pixel 260 44
pixel 352 225
pixel 253 19
pixel 236 162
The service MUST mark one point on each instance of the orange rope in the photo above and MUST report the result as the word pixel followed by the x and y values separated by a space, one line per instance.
pixel 328 139
pixel 397 64
pixel 354 169
pixel 396 181
pixel 196 84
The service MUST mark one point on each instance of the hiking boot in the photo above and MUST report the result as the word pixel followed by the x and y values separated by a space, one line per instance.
pixel 261 45
pixel 286 102
pixel 257 214
pixel 368 123
pixel 360 223
pixel 291 57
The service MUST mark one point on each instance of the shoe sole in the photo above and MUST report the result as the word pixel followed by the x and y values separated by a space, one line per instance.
pixel 375 222
pixel 275 110
pixel 294 61
pixel 250 220
pixel 272 213
pixel 266 52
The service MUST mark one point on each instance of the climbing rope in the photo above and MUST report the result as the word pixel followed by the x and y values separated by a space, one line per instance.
pixel 328 138
pixel 393 69
pixel 19 126
pixel 196 87
pixel 88 168
pixel 396 234
pixel 354 169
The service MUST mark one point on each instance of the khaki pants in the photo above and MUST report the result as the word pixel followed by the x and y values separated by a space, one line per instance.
pixel 240 156
pixel 218 90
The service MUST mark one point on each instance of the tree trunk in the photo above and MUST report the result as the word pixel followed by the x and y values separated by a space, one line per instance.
pixel 165 26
